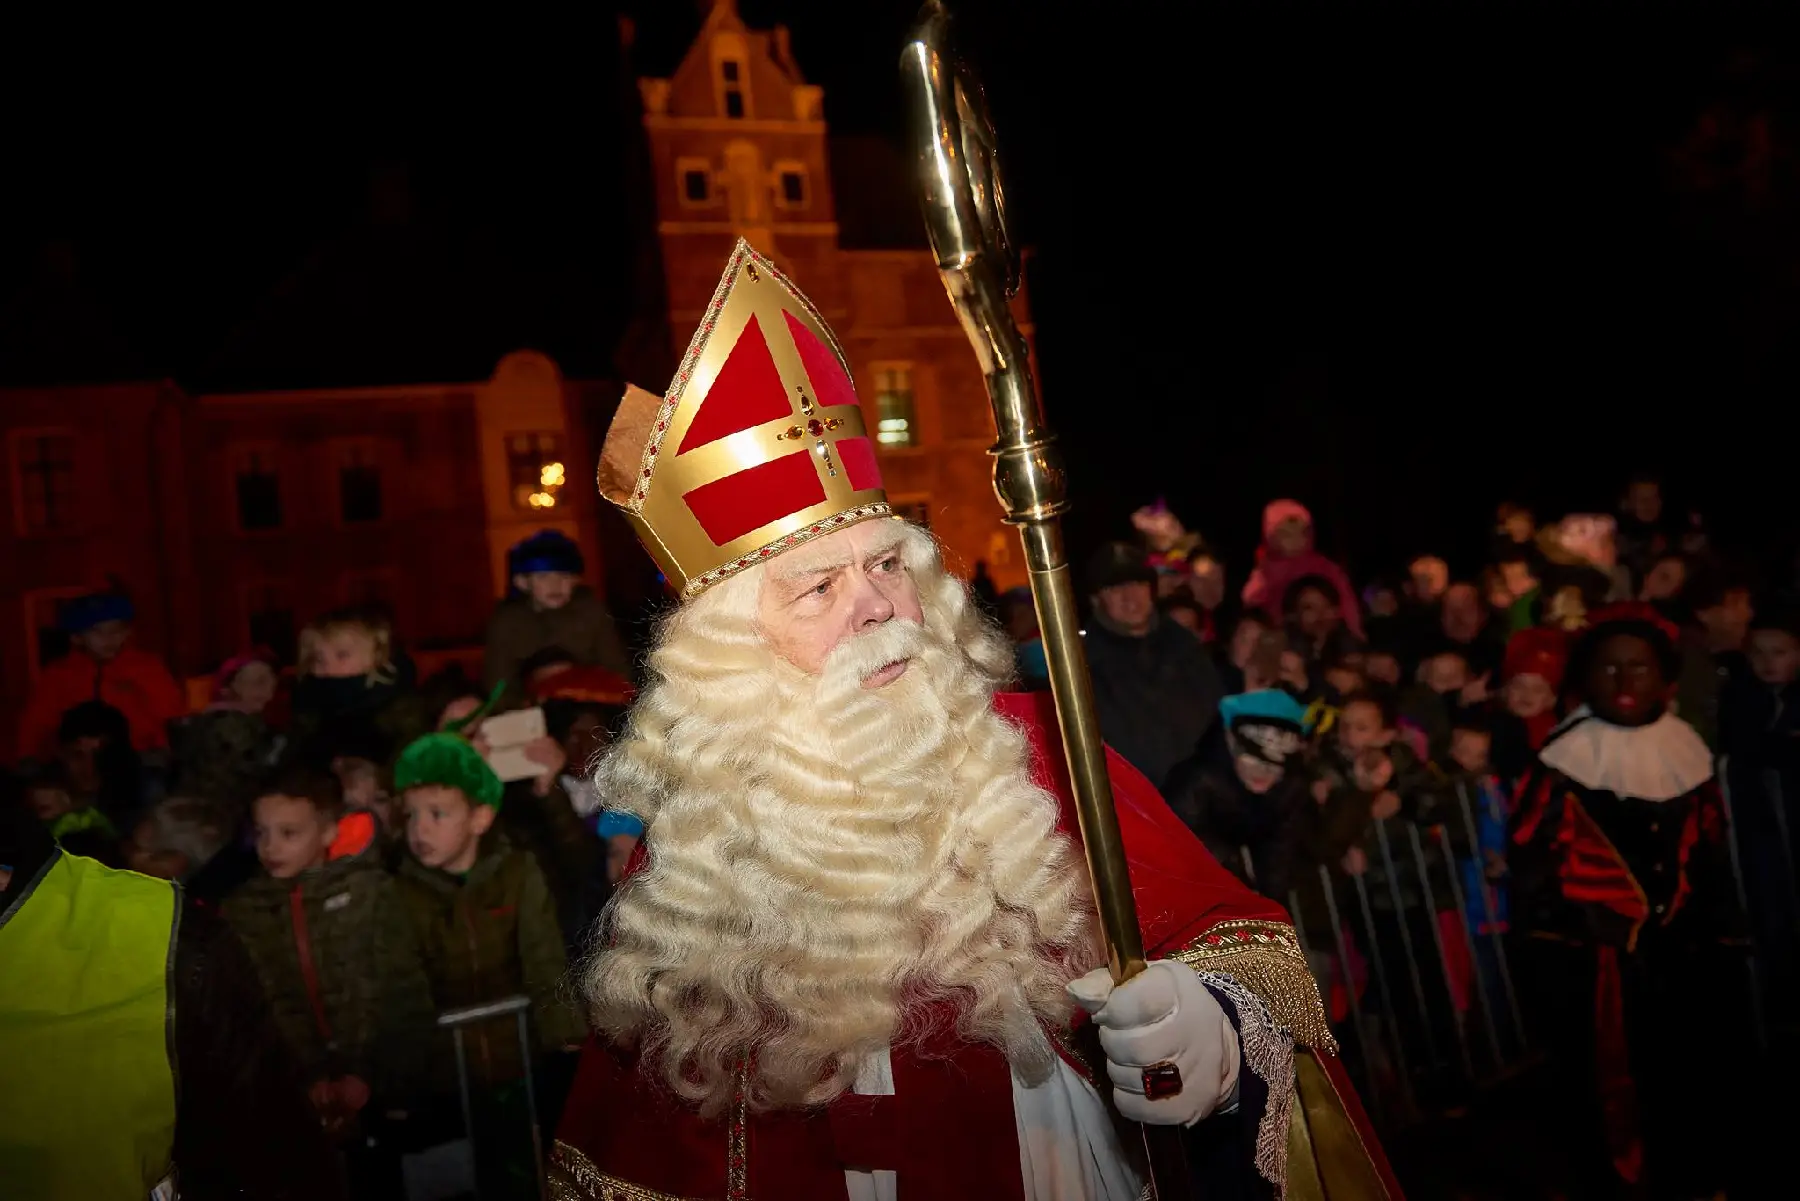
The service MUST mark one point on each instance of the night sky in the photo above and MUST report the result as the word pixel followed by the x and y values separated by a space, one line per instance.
pixel 1396 266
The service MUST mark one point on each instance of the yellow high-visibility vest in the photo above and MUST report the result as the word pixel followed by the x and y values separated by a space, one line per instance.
pixel 87 1108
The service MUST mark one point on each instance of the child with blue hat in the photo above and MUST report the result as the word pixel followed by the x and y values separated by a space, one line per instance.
pixel 1245 796
pixel 547 605
pixel 1267 729
pixel 101 666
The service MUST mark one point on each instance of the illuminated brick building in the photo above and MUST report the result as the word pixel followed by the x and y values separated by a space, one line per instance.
pixel 317 457
pixel 233 518
pixel 738 147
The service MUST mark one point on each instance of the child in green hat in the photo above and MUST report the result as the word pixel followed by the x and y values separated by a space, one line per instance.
pixel 451 798
pixel 478 915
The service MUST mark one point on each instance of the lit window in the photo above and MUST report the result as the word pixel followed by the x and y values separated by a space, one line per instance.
pixel 258 491
pixel 359 485
pixel 45 463
pixel 535 470
pixel 894 425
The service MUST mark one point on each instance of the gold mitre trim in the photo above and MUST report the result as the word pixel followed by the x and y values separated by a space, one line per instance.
pixel 803 456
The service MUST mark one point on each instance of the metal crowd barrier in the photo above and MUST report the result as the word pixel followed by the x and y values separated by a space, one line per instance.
pixel 1411 1047
pixel 456 1021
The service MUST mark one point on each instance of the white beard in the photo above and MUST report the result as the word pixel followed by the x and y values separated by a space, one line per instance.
pixel 821 852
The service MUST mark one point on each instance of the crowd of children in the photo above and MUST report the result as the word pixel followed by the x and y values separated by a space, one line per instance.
pixel 1569 750
pixel 352 833
pixel 1425 772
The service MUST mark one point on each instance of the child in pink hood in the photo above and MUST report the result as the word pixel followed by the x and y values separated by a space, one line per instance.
pixel 1287 555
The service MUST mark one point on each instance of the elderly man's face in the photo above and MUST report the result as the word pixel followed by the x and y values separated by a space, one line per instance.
pixel 834 588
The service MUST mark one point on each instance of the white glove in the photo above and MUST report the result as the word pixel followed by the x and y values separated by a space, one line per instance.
pixel 1164 1015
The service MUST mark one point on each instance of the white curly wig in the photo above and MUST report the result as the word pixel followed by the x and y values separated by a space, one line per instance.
pixel 828 865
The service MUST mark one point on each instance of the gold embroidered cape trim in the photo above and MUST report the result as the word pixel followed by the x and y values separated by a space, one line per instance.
pixel 573 1177
pixel 1266 958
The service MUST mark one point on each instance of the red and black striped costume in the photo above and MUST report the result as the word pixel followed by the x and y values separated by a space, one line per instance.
pixel 1628 900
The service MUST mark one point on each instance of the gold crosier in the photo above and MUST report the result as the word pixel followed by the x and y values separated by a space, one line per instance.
pixel 954 147
pixel 964 208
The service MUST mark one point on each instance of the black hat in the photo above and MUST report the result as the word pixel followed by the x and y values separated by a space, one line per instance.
pixel 546 550
pixel 85 612
pixel 1119 563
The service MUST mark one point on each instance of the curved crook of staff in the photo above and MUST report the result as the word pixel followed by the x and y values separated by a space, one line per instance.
pixel 964 207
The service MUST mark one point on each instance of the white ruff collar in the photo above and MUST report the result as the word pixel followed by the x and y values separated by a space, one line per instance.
pixel 1657 762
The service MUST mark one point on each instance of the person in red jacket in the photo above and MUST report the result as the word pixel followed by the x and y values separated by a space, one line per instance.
pixel 101 666
pixel 1287 556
